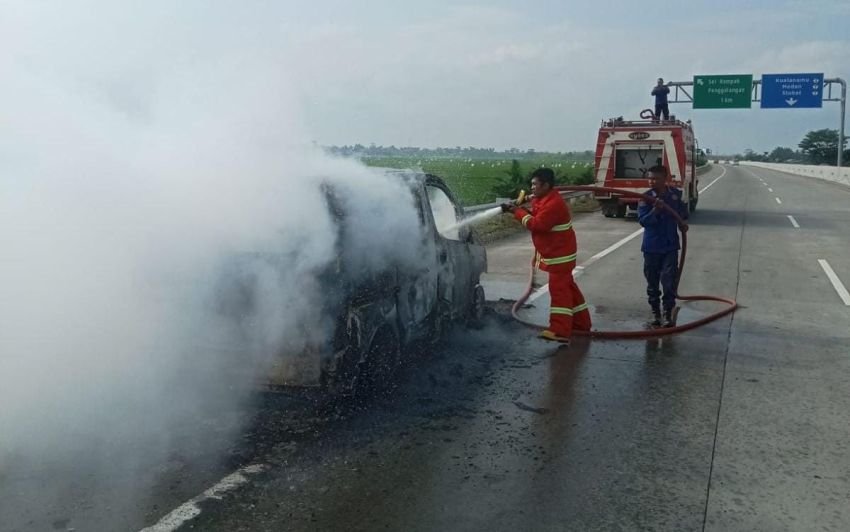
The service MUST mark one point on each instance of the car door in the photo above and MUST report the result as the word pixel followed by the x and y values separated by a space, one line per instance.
pixel 418 286
pixel 454 260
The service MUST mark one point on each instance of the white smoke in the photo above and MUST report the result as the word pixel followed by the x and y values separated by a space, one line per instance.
pixel 127 182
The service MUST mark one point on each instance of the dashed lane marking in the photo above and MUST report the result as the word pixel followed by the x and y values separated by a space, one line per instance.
pixel 793 222
pixel 836 282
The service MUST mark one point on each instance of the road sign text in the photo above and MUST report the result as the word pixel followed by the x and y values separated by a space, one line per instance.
pixel 723 92
pixel 791 91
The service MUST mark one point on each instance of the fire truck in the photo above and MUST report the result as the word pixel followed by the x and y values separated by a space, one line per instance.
pixel 627 149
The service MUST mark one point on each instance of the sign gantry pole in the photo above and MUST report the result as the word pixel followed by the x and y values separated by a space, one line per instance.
pixel 772 91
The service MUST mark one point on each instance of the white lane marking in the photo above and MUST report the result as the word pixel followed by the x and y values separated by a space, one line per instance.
pixel 578 270
pixel 190 509
pixel 708 186
pixel 610 249
pixel 769 189
pixel 793 222
pixel 836 282
pixel 779 201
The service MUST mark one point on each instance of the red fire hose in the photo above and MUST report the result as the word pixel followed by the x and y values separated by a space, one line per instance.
pixel 732 305
pixel 647 114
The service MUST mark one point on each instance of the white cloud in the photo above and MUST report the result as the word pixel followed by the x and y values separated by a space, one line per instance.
pixel 829 57
pixel 474 75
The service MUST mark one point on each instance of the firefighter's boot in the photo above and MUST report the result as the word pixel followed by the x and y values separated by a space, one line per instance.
pixel 668 319
pixel 552 337
pixel 655 320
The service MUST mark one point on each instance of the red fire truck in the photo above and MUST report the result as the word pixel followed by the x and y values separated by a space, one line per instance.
pixel 627 149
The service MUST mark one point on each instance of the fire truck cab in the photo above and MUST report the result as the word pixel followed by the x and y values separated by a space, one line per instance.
pixel 626 150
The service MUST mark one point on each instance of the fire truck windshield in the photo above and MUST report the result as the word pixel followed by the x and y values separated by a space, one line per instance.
pixel 633 162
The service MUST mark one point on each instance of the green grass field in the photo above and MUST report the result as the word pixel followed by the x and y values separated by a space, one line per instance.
pixel 471 179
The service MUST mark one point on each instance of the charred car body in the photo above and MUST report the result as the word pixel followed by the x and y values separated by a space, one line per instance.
pixel 373 319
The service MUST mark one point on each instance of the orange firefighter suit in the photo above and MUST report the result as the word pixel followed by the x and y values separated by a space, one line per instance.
pixel 555 247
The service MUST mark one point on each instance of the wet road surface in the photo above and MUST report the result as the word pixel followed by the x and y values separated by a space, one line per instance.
pixel 740 425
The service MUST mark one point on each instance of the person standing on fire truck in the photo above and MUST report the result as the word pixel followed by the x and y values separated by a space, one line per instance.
pixel 555 252
pixel 661 244
pixel 660 91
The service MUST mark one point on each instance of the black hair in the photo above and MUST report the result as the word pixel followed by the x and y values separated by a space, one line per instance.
pixel 544 174
pixel 659 169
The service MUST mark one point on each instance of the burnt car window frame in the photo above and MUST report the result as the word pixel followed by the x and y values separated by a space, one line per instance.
pixel 463 232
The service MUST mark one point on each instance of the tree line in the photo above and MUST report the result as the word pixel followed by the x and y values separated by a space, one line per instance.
pixel 817 147
pixel 518 177
pixel 372 150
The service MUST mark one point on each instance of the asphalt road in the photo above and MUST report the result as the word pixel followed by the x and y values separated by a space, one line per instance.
pixel 740 425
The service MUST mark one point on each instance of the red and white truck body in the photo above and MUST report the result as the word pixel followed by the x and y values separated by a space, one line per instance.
pixel 626 150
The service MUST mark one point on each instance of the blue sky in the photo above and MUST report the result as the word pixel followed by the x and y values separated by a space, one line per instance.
pixel 535 74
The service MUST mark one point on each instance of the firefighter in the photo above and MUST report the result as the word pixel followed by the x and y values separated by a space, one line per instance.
pixel 661 244
pixel 555 252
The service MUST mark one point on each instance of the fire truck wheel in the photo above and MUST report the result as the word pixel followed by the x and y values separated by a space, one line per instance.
pixel 621 211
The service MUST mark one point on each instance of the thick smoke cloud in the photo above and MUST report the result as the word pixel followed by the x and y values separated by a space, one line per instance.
pixel 137 160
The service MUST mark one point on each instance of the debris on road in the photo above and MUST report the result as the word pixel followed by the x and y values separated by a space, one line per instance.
pixel 523 406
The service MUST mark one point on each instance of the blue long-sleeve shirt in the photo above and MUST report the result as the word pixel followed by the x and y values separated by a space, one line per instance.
pixel 660 94
pixel 661 230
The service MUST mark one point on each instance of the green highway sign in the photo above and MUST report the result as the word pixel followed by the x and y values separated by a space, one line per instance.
pixel 733 91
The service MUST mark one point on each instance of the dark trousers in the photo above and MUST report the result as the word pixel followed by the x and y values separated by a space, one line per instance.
pixel 661 267
pixel 662 108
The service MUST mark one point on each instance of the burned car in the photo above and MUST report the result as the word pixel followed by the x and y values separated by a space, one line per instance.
pixel 373 319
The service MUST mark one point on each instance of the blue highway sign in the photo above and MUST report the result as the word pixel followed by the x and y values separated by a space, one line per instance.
pixel 791 91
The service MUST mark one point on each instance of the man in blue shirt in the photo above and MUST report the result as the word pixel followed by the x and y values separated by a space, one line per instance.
pixel 660 91
pixel 661 244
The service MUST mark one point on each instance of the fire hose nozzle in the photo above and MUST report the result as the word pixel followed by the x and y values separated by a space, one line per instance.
pixel 521 198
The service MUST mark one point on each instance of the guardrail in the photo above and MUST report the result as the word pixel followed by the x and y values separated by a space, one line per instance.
pixel 827 173
pixel 569 196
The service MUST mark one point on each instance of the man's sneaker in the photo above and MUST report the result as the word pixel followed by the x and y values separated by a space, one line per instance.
pixel 549 335
pixel 668 320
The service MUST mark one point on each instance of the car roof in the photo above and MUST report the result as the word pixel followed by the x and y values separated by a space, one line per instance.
pixel 415 177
